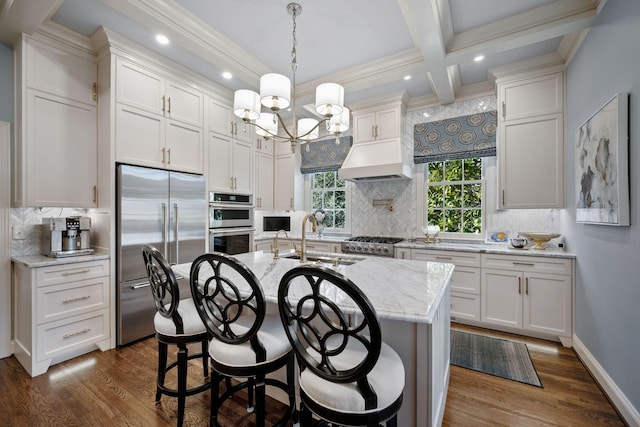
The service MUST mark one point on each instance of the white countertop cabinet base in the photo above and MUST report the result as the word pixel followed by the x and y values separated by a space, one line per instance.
pixel 60 312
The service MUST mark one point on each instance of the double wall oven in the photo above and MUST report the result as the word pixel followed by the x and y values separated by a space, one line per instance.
pixel 230 222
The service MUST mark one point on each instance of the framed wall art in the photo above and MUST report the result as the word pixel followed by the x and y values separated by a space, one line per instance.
pixel 602 165
pixel 498 236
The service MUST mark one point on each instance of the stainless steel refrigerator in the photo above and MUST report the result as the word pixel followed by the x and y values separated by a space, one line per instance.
pixel 161 208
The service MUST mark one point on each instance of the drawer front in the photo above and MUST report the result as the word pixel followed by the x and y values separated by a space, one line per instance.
pixel 460 259
pixel 65 273
pixel 528 264
pixel 466 279
pixel 63 336
pixel 65 300
pixel 319 247
pixel 465 306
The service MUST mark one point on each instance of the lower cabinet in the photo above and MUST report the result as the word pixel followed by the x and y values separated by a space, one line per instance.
pixel 60 312
pixel 528 293
pixel 287 244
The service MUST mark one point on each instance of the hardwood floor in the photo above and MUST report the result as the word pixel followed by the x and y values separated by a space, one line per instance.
pixel 117 388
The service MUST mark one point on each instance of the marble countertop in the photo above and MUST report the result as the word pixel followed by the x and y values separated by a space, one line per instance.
pixel 489 248
pixel 34 261
pixel 398 289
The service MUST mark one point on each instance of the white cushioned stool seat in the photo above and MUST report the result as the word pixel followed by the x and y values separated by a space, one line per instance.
pixel 191 321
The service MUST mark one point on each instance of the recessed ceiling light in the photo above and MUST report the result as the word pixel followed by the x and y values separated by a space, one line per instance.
pixel 162 39
pixel 478 58
pixel 407 77
pixel 227 75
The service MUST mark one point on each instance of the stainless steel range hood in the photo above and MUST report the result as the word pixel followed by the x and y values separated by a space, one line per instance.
pixel 376 161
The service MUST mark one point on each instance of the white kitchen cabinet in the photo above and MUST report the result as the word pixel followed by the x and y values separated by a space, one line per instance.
pixel 60 311
pixel 284 181
pixel 465 280
pixel 264 245
pixel 230 164
pixel 56 124
pixel 224 122
pixel 158 120
pixel 532 295
pixel 530 142
pixel 263 196
pixel 377 124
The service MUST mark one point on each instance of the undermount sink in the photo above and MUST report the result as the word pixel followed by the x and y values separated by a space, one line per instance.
pixel 325 259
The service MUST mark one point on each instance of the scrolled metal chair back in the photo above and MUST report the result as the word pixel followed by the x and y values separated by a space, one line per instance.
pixel 164 285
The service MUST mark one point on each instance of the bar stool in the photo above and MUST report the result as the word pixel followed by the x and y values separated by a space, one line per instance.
pixel 348 376
pixel 245 342
pixel 176 323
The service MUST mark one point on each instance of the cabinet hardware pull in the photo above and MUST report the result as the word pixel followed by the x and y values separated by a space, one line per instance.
pixel 144 285
pixel 164 101
pixel 291 202
pixel 376 131
pixel 443 257
pixel 169 155
pixel 169 109
pixel 95 92
pixel 504 110
pixel 523 263
pixel 163 158
pixel 231 130
pixel 65 301
pixel 95 194
pixel 503 197
pixel 526 285
pixel 69 273
pixel 519 285
pixel 403 254
pixel 73 334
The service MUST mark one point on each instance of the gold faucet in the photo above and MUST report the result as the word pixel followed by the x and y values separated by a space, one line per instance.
pixel 303 243
pixel 275 249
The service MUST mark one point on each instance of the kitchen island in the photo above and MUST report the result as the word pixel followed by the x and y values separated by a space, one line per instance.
pixel 412 301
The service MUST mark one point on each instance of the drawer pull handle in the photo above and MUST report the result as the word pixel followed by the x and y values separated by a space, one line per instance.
pixel 523 263
pixel 144 285
pixel 76 299
pixel 519 285
pixel 443 257
pixel 69 273
pixel 73 334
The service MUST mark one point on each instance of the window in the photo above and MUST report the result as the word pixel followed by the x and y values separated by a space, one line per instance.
pixel 328 193
pixel 454 195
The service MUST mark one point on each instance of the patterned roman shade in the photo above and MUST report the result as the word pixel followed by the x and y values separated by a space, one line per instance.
pixel 455 138
pixel 324 155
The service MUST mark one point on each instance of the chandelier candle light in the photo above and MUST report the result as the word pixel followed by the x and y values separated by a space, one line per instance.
pixel 276 93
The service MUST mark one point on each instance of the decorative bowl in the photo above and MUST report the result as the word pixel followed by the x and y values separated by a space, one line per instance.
pixel 539 238
pixel 519 242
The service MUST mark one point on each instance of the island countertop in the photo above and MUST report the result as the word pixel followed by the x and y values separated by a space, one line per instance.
pixel 398 289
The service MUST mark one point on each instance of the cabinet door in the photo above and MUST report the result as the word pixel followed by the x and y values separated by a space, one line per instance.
pixel 501 297
pixel 283 177
pixel 264 181
pixel 531 97
pixel 363 127
pixel 184 147
pixel 220 119
pixel 531 163
pixel 388 123
pixel 61 153
pixel 139 87
pixel 242 163
pixel 219 162
pixel 183 103
pixel 266 246
pixel 547 304
pixel 139 137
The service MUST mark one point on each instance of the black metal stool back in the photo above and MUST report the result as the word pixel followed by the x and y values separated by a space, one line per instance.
pixel 231 303
pixel 183 317
pixel 335 333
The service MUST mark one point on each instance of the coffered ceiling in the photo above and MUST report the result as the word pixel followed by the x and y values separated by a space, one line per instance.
pixel 368 46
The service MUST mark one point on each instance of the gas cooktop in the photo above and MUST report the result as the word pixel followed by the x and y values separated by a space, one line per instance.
pixel 372 245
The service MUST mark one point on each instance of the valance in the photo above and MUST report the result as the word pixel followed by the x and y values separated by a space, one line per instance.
pixel 456 138
pixel 324 155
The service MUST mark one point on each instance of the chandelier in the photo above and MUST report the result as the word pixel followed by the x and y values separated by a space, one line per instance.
pixel 277 92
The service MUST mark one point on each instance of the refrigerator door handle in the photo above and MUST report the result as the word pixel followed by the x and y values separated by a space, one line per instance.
pixel 141 285
pixel 177 239
pixel 164 227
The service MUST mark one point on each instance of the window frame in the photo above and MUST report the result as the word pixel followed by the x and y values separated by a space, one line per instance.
pixel 421 176
pixel 347 211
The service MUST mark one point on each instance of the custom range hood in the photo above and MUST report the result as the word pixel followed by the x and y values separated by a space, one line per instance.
pixel 377 161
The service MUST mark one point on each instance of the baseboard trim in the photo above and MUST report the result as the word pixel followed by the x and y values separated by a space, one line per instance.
pixel 624 407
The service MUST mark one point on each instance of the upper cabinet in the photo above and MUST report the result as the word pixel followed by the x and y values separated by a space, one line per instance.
pixel 377 123
pixel 531 141
pixel 56 151
pixel 159 121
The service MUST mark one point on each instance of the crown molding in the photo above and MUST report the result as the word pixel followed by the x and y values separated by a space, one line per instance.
pixel 570 44
pixel 550 61
pixel 68 40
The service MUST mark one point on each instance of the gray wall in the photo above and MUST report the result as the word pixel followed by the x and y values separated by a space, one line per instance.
pixel 6 84
pixel 608 263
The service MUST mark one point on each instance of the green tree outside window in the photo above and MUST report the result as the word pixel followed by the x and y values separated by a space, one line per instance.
pixel 328 194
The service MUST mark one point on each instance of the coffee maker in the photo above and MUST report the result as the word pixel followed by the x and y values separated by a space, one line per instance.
pixel 70 236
